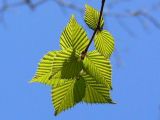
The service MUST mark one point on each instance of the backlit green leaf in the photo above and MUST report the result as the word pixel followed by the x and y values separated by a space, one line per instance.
pixel 44 70
pixel 104 43
pixel 74 80
pixel 92 17
pixel 67 95
pixel 95 92
pixel 74 36
pixel 98 67
pixel 68 63
pixel 50 81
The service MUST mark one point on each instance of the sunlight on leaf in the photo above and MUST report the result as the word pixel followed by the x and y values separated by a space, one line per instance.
pixel 95 92
pixel 92 17
pixel 99 67
pixel 67 95
pixel 44 70
pixel 74 36
pixel 104 43
pixel 68 63
pixel 72 79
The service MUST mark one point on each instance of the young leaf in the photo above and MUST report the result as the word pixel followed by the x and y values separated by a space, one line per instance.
pixel 98 67
pixel 68 63
pixel 74 36
pixel 67 95
pixel 92 17
pixel 50 81
pixel 104 43
pixel 44 70
pixel 95 92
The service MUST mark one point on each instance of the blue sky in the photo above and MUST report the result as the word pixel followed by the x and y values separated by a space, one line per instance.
pixel 26 36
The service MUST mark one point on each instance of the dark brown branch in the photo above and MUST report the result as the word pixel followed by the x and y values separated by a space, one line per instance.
pixel 83 54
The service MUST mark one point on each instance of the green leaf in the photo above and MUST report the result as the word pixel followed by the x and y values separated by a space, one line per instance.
pixel 92 17
pixel 98 67
pixel 68 63
pixel 67 95
pixel 95 92
pixel 74 36
pixel 44 70
pixel 58 66
pixel 104 43
pixel 50 81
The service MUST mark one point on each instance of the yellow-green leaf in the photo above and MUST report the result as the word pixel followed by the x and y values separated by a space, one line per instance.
pixel 68 63
pixel 74 36
pixel 44 70
pixel 98 67
pixel 92 17
pixel 104 43
pixel 50 80
pixel 67 95
pixel 95 92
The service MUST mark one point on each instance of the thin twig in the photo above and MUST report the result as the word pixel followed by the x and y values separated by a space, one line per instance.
pixel 70 5
pixel 83 54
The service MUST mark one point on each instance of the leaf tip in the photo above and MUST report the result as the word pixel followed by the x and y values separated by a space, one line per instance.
pixel 72 17
pixel 113 102
pixel 56 113
pixel 31 81
pixel 86 5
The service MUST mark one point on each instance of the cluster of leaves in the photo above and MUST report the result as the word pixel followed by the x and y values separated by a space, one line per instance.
pixel 73 79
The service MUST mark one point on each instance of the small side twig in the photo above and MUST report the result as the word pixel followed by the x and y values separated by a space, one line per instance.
pixel 83 54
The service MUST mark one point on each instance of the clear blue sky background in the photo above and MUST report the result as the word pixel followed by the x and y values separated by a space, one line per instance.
pixel 27 36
